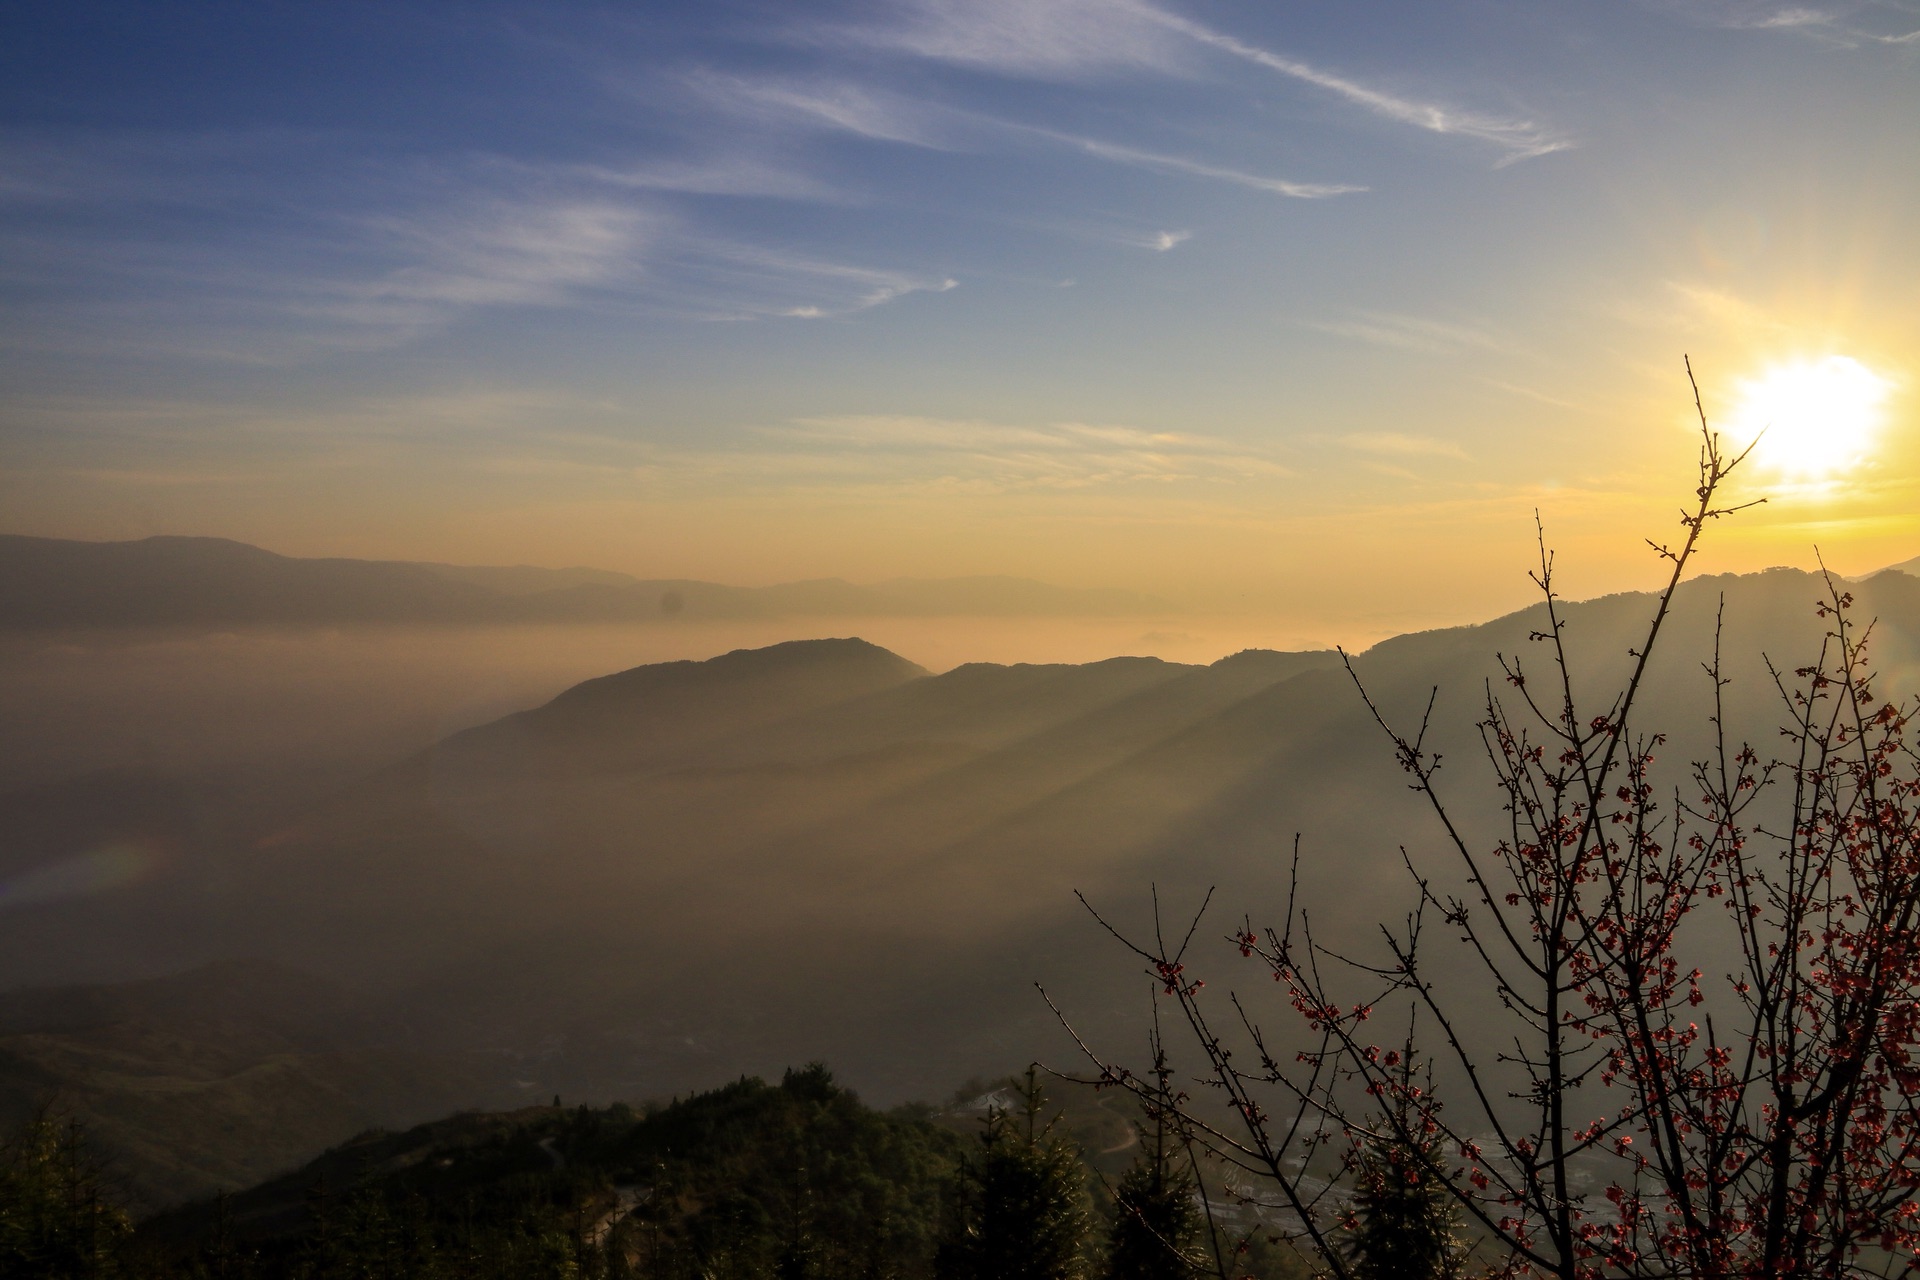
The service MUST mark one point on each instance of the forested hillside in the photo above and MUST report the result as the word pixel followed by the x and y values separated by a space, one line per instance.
pixel 795 1181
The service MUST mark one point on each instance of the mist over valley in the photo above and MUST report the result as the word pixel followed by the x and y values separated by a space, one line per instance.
pixel 681 872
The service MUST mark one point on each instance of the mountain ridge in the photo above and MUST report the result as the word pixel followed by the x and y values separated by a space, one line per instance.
pixel 176 580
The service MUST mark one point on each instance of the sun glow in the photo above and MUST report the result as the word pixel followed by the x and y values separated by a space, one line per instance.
pixel 1811 419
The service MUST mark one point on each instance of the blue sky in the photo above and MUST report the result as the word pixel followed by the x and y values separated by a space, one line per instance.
pixel 1230 301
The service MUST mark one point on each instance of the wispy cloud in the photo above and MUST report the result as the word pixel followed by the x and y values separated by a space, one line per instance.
pixel 1793 18
pixel 592 440
pixel 491 428
pixel 1838 27
pixel 1528 393
pixel 1692 305
pixel 1077 38
pixel 379 280
pixel 715 176
pixel 1746 15
pixel 1409 333
pixel 1392 444
pixel 194 303
pixel 515 254
pixel 1518 137
pixel 842 107
pixel 367 256
pixel 819 103
pixel 986 456
pixel 743 281
pixel 1193 168
pixel 1112 231
pixel 1063 39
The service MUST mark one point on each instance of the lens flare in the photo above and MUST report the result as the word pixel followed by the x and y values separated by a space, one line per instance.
pixel 98 870
pixel 1811 420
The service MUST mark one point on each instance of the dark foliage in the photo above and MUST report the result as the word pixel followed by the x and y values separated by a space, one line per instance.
pixel 798 1181
pixel 57 1217
pixel 1156 1225
pixel 1406 1219
pixel 1020 1209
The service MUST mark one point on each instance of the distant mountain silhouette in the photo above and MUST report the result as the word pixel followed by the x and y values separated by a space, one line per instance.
pixel 182 581
pixel 1909 567
pixel 672 707
pixel 524 579
pixel 171 581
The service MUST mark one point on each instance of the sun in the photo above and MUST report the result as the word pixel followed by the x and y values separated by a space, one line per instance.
pixel 1810 420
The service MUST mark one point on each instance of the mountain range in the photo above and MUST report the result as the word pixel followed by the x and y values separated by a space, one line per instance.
pixel 186 581
pixel 683 872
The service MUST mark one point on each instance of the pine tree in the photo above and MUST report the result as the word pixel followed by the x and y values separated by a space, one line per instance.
pixel 57 1219
pixel 1020 1207
pixel 1406 1218
pixel 1157 1229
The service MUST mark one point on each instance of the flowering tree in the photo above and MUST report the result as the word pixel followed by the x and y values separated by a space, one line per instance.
pixel 1647 1120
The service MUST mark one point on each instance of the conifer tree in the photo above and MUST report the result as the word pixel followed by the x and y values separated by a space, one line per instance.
pixel 1406 1218
pixel 1020 1207
pixel 1157 1227
pixel 57 1219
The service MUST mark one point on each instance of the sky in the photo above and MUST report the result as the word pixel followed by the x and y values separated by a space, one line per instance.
pixel 1297 309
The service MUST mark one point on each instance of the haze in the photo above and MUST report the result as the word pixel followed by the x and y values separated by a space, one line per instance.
pixel 592 549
